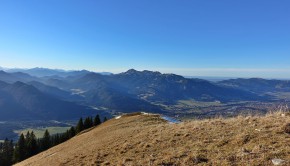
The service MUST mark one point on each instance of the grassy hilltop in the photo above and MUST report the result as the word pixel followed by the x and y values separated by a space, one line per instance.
pixel 139 139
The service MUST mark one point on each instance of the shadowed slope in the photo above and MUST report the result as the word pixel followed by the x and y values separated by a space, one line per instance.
pixel 23 101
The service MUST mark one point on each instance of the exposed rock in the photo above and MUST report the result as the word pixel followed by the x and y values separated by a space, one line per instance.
pixel 278 161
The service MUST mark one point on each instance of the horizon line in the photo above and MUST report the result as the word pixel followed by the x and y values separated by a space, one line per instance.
pixel 179 71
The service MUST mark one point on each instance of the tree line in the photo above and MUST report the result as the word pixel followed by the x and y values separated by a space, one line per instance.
pixel 28 145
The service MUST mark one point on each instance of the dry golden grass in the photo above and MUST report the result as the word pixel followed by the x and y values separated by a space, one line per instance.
pixel 149 140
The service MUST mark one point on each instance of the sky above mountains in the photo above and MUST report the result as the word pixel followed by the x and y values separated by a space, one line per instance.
pixel 194 38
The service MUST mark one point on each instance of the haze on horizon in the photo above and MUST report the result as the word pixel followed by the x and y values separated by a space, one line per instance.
pixel 190 38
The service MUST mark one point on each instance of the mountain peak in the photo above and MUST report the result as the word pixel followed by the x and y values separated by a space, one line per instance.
pixel 131 71
pixel 147 72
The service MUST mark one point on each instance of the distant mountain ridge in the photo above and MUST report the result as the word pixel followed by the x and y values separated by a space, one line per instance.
pixel 14 77
pixel 129 91
pixel 258 85
pixel 156 86
pixel 44 72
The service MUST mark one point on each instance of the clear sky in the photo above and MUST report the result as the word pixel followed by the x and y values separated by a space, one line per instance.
pixel 236 38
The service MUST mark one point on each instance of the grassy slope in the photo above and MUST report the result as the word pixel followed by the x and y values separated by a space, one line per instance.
pixel 149 140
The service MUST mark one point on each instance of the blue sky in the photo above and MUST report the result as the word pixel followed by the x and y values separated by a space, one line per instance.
pixel 241 38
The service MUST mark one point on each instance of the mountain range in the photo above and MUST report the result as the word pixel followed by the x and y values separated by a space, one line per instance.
pixel 258 85
pixel 57 94
pixel 45 72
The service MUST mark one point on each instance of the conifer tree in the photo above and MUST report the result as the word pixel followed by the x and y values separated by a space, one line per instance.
pixel 91 122
pixel 88 123
pixel 6 153
pixel 11 150
pixel 63 137
pixel 38 140
pixel 55 140
pixel 80 126
pixel 27 136
pixel 45 141
pixel 27 139
pixel 72 132
pixel 97 120
pixel 31 144
pixel 20 150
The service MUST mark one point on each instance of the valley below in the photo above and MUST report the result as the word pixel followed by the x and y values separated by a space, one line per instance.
pixel 12 129
pixel 189 109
